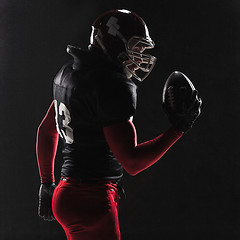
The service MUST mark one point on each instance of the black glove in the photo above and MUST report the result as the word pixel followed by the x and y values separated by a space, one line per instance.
pixel 184 119
pixel 45 201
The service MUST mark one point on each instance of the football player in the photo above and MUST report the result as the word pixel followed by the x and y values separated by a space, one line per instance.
pixel 94 100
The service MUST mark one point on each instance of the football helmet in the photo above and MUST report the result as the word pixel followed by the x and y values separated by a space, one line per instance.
pixel 123 35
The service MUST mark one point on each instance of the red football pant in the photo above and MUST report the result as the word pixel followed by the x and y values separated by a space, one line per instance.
pixel 87 211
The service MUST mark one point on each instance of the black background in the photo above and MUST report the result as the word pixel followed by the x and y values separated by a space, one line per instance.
pixel 193 192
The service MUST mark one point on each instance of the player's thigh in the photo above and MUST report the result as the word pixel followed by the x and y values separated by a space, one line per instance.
pixel 104 224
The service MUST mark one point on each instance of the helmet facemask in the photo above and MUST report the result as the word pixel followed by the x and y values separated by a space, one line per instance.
pixel 135 59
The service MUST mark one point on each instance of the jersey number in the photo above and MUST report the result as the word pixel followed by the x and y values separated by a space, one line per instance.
pixel 63 114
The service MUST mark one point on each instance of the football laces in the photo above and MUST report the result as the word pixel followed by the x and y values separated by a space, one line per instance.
pixel 170 97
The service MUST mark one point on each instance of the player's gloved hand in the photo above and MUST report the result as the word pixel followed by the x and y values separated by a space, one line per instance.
pixel 184 119
pixel 45 201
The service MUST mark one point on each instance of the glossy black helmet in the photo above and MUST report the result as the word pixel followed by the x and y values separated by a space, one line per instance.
pixel 123 35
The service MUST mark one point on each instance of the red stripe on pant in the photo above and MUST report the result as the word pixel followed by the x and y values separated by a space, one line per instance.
pixel 87 211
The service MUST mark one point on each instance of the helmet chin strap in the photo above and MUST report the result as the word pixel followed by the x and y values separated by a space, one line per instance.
pixel 128 72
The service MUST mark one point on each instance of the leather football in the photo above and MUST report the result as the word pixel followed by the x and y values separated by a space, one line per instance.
pixel 177 93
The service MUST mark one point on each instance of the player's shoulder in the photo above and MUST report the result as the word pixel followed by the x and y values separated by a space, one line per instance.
pixel 66 68
pixel 94 69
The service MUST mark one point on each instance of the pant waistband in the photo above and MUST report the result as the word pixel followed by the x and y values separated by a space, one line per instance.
pixel 96 180
pixel 87 180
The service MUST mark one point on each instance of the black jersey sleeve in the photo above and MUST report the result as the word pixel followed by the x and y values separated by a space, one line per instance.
pixel 117 98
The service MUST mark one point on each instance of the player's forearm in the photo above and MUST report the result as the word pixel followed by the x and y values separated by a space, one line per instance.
pixel 146 154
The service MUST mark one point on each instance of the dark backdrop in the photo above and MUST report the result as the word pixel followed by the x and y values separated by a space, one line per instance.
pixel 194 191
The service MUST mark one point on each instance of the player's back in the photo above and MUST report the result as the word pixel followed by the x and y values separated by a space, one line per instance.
pixel 79 89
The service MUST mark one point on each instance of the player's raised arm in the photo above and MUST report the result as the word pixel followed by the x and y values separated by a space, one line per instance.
pixel 134 157
pixel 182 108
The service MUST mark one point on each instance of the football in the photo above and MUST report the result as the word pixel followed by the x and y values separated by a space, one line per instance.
pixel 177 93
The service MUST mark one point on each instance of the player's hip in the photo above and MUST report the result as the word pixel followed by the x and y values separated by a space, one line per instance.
pixel 86 202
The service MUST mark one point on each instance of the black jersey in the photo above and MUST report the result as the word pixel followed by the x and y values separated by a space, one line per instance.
pixel 89 93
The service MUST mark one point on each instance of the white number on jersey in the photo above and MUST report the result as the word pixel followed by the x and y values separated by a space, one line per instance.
pixel 63 111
